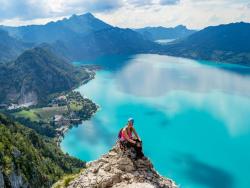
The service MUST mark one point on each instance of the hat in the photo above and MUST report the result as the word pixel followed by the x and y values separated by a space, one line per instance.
pixel 131 120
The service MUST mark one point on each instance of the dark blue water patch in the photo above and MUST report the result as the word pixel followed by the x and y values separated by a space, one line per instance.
pixel 164 122
pixel 204 174
pixel 234 68
pixel 110 63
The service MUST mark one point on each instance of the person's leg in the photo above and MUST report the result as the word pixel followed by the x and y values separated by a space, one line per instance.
pixel 128 144
pixel 139 152
pixel 122 144
pixel 138 149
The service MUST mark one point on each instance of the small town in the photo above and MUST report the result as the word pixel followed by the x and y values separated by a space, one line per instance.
pixel 60 114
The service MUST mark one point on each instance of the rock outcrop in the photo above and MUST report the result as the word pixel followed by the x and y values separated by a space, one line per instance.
pixel 120 169
pixel 13 180
pixel 1 178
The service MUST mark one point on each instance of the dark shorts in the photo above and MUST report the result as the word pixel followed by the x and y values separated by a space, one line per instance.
pixel 137 146
pixel 129 144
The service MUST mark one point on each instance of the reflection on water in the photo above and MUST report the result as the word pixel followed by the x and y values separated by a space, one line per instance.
pixel 196 113
pixel 144 78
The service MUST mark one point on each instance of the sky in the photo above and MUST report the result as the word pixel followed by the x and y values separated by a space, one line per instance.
pixel 195 14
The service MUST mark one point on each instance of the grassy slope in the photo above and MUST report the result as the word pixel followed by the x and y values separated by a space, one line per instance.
pixel 41 114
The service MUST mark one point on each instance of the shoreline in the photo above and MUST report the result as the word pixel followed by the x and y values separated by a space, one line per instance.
pixel 64 129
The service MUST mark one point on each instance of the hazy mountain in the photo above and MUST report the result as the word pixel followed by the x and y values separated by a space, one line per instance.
pixel 60 30
pixel 227 43
pixel 10 47
pixel 36 74
pixel 158 33
pixel 84 36
pixel 29 160
pixel 104 42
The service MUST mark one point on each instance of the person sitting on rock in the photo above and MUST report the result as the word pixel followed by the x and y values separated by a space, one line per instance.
pixel 126 138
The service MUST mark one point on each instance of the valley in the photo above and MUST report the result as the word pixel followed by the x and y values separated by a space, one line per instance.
pixel 181 85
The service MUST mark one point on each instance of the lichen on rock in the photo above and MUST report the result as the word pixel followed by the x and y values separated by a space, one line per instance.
pixel 120 169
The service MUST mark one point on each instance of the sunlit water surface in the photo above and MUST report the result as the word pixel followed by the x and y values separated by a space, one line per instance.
pixel 193 117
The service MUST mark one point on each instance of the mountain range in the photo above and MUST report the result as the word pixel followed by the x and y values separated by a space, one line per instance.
pixel 111 41
pixel 228 43
pixel 81 37
pixel 34 64
pixel 38 72
pixel 159 33
pixel 64 29
pixel 10 47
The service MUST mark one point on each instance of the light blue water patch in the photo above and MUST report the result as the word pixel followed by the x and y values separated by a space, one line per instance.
pixel 193 117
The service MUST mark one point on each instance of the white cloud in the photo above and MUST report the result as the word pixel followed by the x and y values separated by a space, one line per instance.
pixel 37 9
pixel 195 14
pixel 129 13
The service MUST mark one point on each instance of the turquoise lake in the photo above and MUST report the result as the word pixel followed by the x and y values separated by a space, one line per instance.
pixel 193 117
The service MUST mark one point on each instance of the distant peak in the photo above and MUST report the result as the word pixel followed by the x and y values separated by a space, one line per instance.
pixel 161 27
pixel 88 14
pixel 181 27
pixel 73 16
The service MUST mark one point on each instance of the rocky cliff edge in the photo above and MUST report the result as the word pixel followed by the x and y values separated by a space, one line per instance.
pixel 119 169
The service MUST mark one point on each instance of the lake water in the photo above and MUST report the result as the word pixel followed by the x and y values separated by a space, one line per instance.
pixel 193 117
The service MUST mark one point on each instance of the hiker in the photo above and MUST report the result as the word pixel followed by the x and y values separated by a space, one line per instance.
pixel 126 138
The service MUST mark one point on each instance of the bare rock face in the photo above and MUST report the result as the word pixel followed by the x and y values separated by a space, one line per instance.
pixel 17 181
pixel 13 180
pixel 120 169
pixel 1 179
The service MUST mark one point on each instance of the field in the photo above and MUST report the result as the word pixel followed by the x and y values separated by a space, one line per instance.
pixel 75 106
pixel 29 114
pixel 44 114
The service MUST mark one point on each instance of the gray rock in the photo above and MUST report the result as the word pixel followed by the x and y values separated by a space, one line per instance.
pixel 107 167
pixel 16 153
pixel 119 169
pixel 17 181
pixel 1 178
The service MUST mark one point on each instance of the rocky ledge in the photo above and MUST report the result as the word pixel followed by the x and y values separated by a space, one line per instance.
pixel 120 169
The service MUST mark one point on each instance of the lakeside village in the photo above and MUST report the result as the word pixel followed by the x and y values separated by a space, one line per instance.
pixel 57 117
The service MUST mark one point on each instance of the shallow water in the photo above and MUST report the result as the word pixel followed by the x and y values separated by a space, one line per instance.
pixel 193 117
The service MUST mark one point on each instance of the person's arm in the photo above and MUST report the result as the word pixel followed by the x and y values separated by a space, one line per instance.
pixel 127 137
pixel 136 134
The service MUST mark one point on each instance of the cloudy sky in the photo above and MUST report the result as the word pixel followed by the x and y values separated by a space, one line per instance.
pixel 194 14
